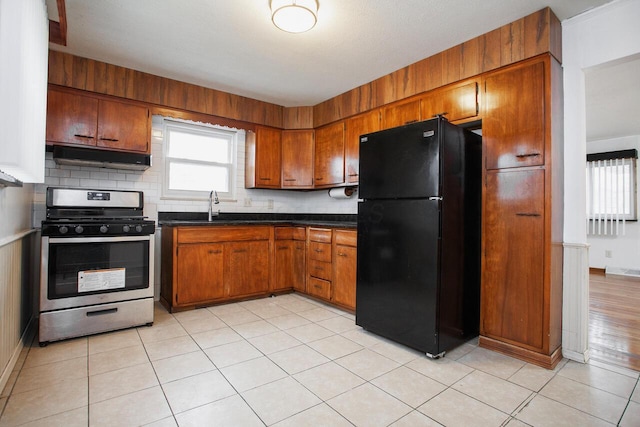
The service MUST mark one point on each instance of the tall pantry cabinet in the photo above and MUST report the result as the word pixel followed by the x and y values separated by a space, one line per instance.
pixel 521 297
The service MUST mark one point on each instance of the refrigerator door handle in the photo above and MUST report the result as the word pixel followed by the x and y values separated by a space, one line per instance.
pixel 435 198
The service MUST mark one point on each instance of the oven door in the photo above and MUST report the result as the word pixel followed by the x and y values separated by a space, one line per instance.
pixel 80 271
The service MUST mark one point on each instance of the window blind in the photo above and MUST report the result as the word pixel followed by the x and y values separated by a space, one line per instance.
pixel 611 191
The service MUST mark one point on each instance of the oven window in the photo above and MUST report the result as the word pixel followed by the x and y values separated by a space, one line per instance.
pixel 77 269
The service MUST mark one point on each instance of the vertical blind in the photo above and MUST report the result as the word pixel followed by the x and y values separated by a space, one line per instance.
pixel 611 191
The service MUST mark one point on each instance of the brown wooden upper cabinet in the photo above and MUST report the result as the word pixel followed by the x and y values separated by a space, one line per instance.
pixel 401 113
pixel 263 158
pixel 297 158
pixel 329 155
pixel 513 126
pixel 77 118
pixel 356 126
pixel 457 102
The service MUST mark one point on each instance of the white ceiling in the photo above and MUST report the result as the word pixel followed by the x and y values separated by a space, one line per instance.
pixel 231 45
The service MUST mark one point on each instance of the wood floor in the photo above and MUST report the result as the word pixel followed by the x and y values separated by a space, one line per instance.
pixel 614 319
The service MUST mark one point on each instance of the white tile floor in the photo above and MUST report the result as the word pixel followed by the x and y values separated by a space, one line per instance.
pixel 291 361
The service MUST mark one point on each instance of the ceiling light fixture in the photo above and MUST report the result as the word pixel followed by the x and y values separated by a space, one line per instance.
pixel 294 16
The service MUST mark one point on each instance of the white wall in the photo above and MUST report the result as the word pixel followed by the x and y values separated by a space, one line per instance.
pixel 602 35
pixel 625 249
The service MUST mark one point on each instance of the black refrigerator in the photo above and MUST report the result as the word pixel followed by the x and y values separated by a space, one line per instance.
pixel 418 271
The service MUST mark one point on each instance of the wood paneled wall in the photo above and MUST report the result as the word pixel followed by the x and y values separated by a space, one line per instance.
pixel 100 77
pixel 527 37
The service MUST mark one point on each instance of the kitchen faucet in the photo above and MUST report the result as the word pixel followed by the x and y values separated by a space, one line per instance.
pixel 213 199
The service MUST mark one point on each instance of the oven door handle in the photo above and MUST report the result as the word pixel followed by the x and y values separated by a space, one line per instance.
pixel 96 239
pixel 102 312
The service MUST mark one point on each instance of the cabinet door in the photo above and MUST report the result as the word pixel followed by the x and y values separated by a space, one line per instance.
pixel 299 266
pixel 512 293
pixel 289 259
pixel 71 118
pixel 123 126
pixel 454 103
pixel 344 278
pixel 401 113
pixel 513 124
pixel 297 158
pixel 268 157
pixel 356 126
pixel 247 267
pixel 200 273
pixel 329 155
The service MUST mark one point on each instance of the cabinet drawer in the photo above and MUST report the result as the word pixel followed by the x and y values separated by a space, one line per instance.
pixel 320 235
pixel 319 288
pixel 346 237
pixel 320 269
pixel 320 251
pixel 221 234
pixel 290 233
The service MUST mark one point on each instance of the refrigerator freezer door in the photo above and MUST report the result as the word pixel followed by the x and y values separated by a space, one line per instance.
pixel 397 275
pixel 400 163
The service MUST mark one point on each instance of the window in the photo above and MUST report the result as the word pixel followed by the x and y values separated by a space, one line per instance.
pixel 611 190
pixel 198 159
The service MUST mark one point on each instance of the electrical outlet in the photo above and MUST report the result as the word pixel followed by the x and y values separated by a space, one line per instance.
pixel 269 203
pixel 247 202
pixel 608 254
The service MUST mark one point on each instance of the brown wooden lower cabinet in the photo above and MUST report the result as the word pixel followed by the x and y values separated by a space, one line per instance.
pixel 290 259
pixel 200 275
pixel 247 268
pixel 205 265
pixel 344 268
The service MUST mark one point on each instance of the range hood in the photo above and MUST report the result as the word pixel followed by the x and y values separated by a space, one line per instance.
pixel 100 158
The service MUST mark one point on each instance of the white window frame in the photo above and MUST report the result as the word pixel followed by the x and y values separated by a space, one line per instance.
pixel 611 192
pixel 202 129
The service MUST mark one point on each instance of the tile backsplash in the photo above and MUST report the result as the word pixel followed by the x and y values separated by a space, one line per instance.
pixel 150 182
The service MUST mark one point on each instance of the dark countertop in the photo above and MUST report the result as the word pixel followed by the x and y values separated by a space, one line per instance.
pixel 175 219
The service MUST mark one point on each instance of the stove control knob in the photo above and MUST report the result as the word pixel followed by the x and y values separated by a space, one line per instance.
pixel 104 229
pixel 63 229
pixel 138 228
pixel 126 228
pixel 79 229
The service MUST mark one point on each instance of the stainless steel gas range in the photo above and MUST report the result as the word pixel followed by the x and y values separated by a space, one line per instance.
pixel 96 263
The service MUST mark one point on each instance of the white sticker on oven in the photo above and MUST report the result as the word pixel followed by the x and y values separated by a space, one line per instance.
pixel 100 280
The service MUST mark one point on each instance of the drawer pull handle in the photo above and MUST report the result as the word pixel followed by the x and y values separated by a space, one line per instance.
pixel 102 312
pixel 317 286
pixel 108 139
pixel 522 156
pixel 290 179
pixel 353 174
pixel 321 178
pixel 282 247
pixel 527 214
pixel 239 251
pixel 77 135
pixel 318 250
pixel 341 254
pixel 265 179
pixel 215 251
